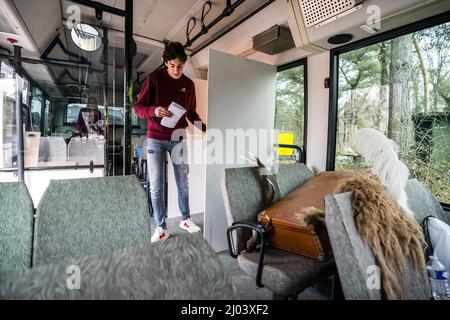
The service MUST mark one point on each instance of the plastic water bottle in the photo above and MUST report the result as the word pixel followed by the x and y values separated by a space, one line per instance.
pixel 438 279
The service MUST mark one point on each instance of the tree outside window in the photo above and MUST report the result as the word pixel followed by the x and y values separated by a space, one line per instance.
pixel 401 87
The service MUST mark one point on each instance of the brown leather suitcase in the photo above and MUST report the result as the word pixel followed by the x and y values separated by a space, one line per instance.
pixel 288 229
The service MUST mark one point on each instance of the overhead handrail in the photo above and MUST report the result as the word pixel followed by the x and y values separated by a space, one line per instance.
pixel 204 14
pixel 229 9
pixel 231 27
pixel 189 30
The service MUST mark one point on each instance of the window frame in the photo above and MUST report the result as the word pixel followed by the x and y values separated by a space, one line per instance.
pixel 334 72
pixel 302 62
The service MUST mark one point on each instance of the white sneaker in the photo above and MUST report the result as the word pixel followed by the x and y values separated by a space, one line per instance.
pixel 160 234
pixel 189 226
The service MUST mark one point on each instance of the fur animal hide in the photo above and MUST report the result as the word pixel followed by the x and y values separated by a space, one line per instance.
pixel 380 154
pixel 266 179
pixel 311 215
pixel 394 238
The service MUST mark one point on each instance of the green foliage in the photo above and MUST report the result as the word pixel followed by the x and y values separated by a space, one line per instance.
pixel 350 163
pixel 365 102
pixel 435 176
pixel 436 43
pixel 359 68
pixel 289 110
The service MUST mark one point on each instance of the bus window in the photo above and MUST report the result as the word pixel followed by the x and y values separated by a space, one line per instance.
pixel 8 136
pixel 290 109
pixel 401 88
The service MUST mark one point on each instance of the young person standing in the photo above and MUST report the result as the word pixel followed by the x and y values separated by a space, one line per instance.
pixel 161 88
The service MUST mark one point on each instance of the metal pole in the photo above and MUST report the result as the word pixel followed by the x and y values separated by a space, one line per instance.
pixel 42 120
pixel 129 84
pixel 63 63
pixel 19 116
pixel 105 96
pixel 101 6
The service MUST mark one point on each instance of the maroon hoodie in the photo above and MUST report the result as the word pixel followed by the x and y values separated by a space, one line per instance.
pixel 160 89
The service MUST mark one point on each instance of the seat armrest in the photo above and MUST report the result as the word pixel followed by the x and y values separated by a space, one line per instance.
pixel 262 231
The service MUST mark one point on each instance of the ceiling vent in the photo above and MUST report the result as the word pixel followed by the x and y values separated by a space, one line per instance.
pixel 275 40
pixel 316 13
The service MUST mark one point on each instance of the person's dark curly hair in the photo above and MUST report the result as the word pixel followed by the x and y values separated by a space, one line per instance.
pixel 174 50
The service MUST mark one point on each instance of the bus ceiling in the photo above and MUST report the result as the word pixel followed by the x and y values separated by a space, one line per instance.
pixel 230 26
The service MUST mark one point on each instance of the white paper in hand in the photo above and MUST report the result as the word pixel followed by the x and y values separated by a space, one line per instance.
pixel 177 113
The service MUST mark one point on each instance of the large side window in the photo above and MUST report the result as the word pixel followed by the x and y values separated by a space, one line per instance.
pixel 8 134
pixel 400 87
pixel 290 110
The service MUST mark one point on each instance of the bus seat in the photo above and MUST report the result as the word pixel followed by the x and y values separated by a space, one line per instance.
pixel 16 228
pixel 286 274
pixel 88 216
pixel 423 203
pixel 180 268
pixel 354 259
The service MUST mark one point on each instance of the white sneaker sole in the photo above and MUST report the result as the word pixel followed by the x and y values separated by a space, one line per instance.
pixel 163 238
pixel 190 230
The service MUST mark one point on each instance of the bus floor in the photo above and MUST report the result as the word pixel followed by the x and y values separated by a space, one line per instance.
pixel 245 285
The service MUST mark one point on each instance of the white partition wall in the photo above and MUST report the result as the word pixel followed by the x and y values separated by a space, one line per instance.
pixel 195 147
pixel 318 107
pixel 196 141
pixel 201 93
pixel 241 95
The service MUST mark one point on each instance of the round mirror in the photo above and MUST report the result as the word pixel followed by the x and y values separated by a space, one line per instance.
pixel 86 37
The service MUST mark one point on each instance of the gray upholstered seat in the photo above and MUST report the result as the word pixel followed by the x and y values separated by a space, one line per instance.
pixel 290 176
pixel 422 202
pixel 284 273
pixel 354 259
pixel 183 267
pixel 16 227
pixel 89 216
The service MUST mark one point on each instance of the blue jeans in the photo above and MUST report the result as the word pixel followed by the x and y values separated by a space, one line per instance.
pixel 156 162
